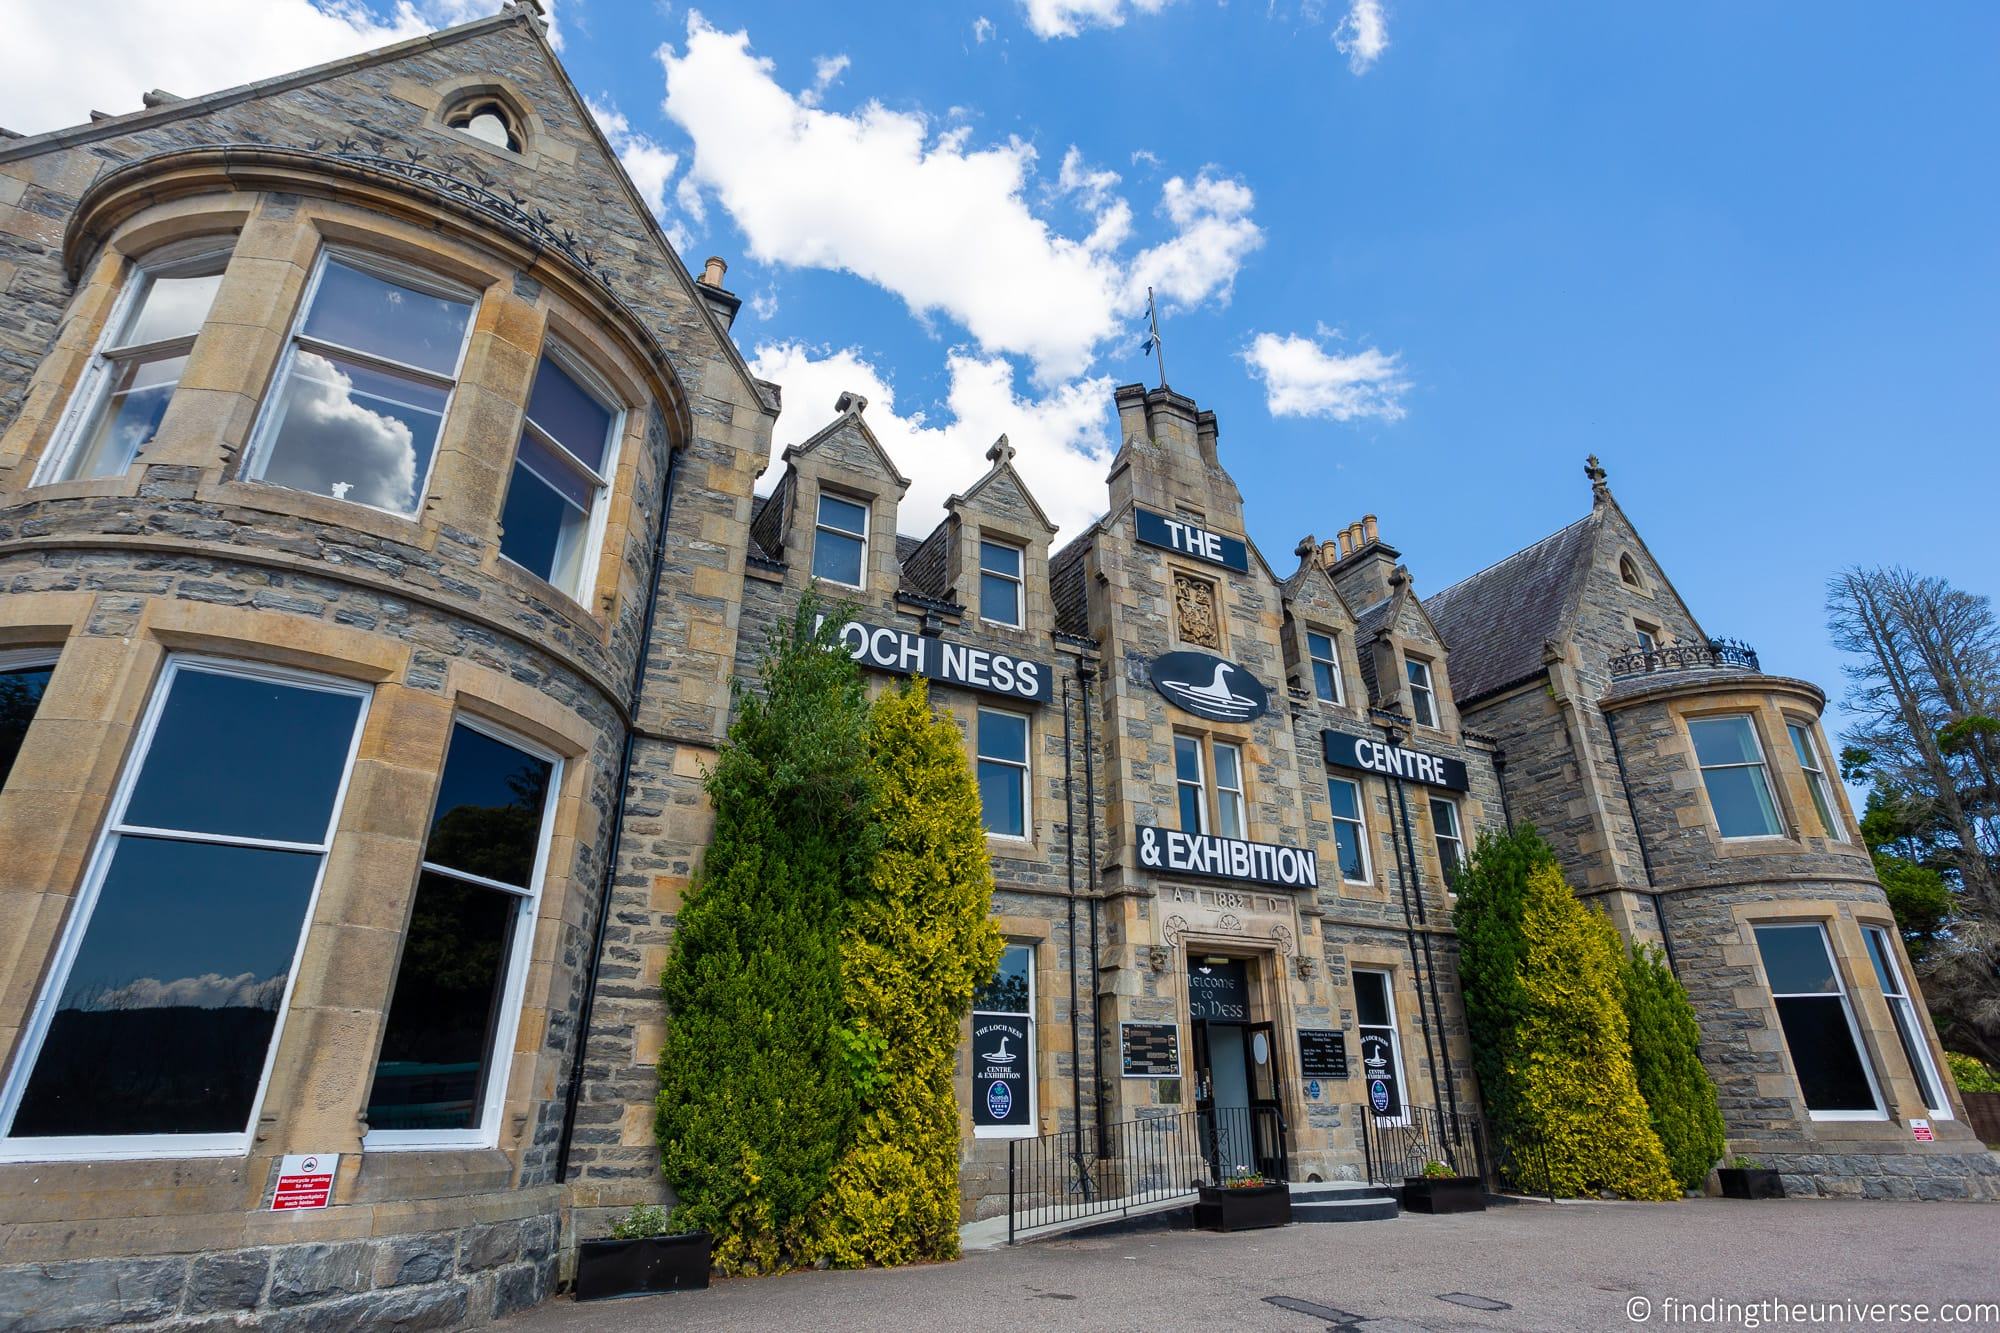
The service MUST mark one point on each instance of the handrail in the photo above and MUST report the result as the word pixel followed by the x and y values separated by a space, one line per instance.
pixel 1714 655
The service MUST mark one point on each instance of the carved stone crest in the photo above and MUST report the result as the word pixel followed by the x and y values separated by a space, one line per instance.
pixel 1194 612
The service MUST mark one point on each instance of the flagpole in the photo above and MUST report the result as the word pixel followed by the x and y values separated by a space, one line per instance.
pixel 1159 348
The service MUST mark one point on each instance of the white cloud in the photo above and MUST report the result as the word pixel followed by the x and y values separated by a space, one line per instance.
pixel 1363 35
pixel 648 164
pixel 1213 235
pixel 62 59
pixel 1063 439
pixel 1302 379
pixel 764 304
pixel 1067 18
pixel 982 30
pixel 826 72
pixel 210 990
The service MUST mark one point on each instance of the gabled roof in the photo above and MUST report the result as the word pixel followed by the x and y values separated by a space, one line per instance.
pixel 1002 456
pixel 1495 623
pixel 849 408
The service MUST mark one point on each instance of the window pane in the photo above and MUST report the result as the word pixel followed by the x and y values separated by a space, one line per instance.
pixel 1801 746
pixel 1001 801
pixel 1908 1031
pixel 1192 816
pixel 1229 767
pixel 248 757
pixel 1444 818
pixel 837 556
pixel 570 414
pixel 1007 993
pixel 1229 808
pixel 1346 798
pixel 545 523
pixel 21 693
pixel 1724 740
pixel 437 1044
pixel 1187 759
pixel 1319 645
pixel 1831 1075
pixel 1371 998
pixel 170 308
pixel 1347 843
pixel 1003 736
pixel 1323 685
pixel 1742 801
pixel 488 818
pixel 845 515
pixel 388 319
pixel 167 1014
pixel 1795 960
pixel 354 433
pixel 999 599
pixel 1883 972
pixel 996 558
pixel 128 418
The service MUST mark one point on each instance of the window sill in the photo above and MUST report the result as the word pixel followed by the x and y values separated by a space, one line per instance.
pixel 1848 1117
pixel 1012 840
pixel 426 1140
pixel 272 498
pixel 107 1150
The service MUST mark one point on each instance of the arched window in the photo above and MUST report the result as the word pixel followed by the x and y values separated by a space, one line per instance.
pixel 1628 570
pixel 487 119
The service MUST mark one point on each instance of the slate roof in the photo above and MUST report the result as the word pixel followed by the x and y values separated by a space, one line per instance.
pixel 765 518
pixel 923 562
pixel 1495 623
pixel 1066 587
pixel 1366 626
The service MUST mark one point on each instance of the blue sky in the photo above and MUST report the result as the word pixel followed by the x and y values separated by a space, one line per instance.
pixel 1746 254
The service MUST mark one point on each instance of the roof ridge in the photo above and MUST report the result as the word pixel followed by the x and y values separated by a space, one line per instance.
pixel 1505 559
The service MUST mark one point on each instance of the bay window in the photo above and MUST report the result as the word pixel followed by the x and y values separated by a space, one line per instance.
pixel 441 1072
pixel 1003 772
pixel 157 1026
pixel 1817 783
pixel 1732 769
pixel 1909 1027
pixel 1820 1032
pixel 367 374
pixel 553 517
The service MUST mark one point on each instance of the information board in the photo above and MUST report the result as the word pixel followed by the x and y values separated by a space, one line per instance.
pixel 1150 1050
pixel 1322 1053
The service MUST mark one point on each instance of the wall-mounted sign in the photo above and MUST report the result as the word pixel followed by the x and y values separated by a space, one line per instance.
pixel 1344 750
pixel 1179 853
pixel 1000 1070
pixel 1150 1050
pixel 1219 991
pixel 884 649
pixel 1177 534
pixel 1322 1053
pixel 1378 1066
pixel 1209 686
pixel 1920 1130
pixel 305 1180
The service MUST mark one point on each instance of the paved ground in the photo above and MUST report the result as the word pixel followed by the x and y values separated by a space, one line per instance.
pixel 1565 1266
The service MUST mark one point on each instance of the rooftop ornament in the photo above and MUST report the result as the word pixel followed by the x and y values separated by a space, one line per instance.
pixel 1714 655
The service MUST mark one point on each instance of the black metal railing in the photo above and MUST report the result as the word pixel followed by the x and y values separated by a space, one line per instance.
pixel 1403 1145
pixel 1714 655
pixel 1060 1178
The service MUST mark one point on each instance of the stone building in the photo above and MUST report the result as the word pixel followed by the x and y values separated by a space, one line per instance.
pixel 1694 797
pixel 372 491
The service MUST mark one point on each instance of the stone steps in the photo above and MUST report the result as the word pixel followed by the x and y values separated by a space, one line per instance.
pixel 1340 1201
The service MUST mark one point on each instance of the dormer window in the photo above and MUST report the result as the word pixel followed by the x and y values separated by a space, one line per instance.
pixel 488 120
pixel 1000 583
pixel 1325 666
pixel 840 541
pixel 1423 696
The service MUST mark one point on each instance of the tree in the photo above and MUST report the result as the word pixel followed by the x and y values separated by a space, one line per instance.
pixel 1492 896
pixel 1666 1059
pixel 756 1094
pixel 918 941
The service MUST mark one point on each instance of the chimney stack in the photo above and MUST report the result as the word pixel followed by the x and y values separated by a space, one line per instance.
pixel 722 303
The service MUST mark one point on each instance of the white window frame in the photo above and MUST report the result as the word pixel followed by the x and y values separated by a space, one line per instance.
pixel 1360 824
pixel 116 1147
pixel 1902 1006
pixel 1805 748
pixel 1648 639
pixel 105 357
pixel 1235 798
pixel 486 1134
pixel 1846 1008
pixel 1427 687
pixel 1200 784
pixel 820 525
pixel 1332 663
pixel 26 659
pixel 1020 581
pixel 264 437
pixel 1395 1043
pixel 1024 770
pixel 1033 1127
pixel 600 507
pixel 1763 767
pixel 1439 837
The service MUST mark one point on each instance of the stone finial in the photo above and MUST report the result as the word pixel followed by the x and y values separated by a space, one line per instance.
pixel 1307 548
pixel 850 404
pixel 1600 488
pixel 1001 452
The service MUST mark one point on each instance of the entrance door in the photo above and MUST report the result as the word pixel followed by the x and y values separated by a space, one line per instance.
pixel 1236 1074
pixel 1267 1110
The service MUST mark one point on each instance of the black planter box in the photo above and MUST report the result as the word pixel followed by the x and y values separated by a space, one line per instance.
pixel 1444 1194
pixel 608 1268
pixel 1245 1208
pixel 1742 1182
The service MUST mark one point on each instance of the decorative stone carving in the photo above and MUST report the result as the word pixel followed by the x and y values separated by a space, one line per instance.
pixel 1171 931
pixel 1194 612
pixel 1159 959
pixel 1306 967
pixel 1282 933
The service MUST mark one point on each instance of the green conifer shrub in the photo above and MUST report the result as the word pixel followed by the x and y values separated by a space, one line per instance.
pixel 1680 1096
pixel 756 1093
pixel 918 940
pixel 1492 895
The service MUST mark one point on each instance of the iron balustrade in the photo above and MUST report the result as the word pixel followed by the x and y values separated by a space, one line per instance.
pixel 1060 1178
pixel 1396 1148
pixel 1714 655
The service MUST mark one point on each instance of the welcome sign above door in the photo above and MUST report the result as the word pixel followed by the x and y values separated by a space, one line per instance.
pixel 1209 686
pixel 1177 534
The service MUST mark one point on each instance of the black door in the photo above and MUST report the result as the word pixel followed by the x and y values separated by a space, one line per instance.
pixel 1267 1107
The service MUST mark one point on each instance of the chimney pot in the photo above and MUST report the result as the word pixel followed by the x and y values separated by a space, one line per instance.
pixel 712 271
pixel 1368 537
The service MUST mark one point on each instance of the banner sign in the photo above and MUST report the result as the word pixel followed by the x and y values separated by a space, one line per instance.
pixel 1209 686
pixel 881 648
pixel 1150 1050
pixel 1322 1053
pixel 1175 852
pixel 1177 534
pixel 1372 756
pixel 1000 1070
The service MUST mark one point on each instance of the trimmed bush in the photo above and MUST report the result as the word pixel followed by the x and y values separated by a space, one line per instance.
pixel 1666 1058
pixel 756 1093
pixel 917 942
pixel 1492 896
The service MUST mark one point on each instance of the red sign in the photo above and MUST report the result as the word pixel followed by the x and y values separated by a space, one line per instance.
pixel 305 1180
pixel 1921 1130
